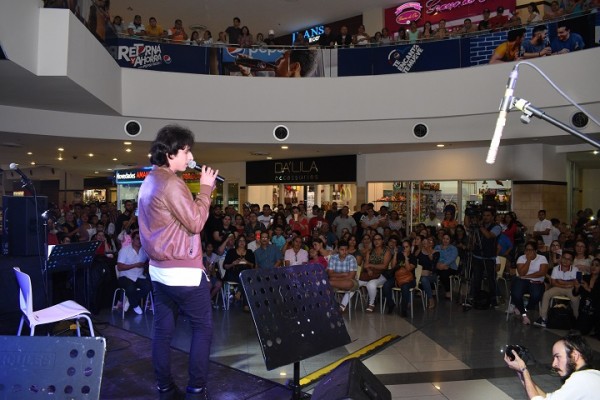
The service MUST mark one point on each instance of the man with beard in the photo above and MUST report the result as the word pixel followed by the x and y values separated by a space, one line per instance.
pixel 538 46
pixel 571 359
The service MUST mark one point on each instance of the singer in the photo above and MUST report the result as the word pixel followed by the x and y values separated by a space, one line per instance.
pixel 170 221
pixel 571 359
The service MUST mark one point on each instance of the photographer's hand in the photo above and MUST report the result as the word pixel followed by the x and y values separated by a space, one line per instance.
pixel 523 373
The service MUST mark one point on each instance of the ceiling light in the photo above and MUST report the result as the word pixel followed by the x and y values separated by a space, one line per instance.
pixel 109 169
pixel 91 155
pixel 33 163
pixel 60 158
pixel 61 149
pixel 269 158
pixel 95 172
pixel 29 153
pixel 595 152
pixel 284 147
pixel 127 143
pixel 128 150
pixel 115 159
pixel 440 145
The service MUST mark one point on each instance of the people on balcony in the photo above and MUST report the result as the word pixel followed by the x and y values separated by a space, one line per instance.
pixel 136 28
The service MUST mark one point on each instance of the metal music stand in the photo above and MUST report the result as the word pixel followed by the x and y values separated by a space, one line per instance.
pixel 295 315
pixel 37 367
pixel 65 257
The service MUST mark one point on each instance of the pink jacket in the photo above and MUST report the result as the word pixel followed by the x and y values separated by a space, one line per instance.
pixel 171 220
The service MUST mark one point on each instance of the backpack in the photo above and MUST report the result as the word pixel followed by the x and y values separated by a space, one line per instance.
pixel 560 316
pixel 482 300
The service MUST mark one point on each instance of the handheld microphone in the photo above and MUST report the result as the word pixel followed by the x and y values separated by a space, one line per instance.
pixel 505 106
pixel 193 165
pixel 24 179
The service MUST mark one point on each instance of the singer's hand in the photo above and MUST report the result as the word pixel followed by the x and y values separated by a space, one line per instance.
pixel 209 176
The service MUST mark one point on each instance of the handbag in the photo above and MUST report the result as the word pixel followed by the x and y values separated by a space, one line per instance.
pixel 403 276
pixel 365 277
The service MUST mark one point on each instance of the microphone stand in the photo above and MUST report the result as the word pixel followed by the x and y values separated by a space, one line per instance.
pixel 529 110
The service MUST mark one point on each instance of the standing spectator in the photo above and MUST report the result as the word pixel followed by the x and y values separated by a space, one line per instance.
pixel 484 24
pixel 118 26
pixel 260 40
pixel 234 32
pixel 299 222
pixel 538 45
pixel 207 41
pixel 136 27
pixel 266 217
pixel 332 213
pixel 509 50
pixel 446 265
pixel 270 40
pixel 543 227
pixel 154 30
pixel 343 38
pixel 442 32
pixel 484 255
pixel 222 38
pixel 468 27
pixel 326 39
pixel 127 220
pixel 566 41
pixel 170 224
pixel 131 263
pixel 177 33
pixel 361 38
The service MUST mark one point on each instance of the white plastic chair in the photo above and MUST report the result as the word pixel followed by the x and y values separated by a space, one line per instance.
pixel 455 278
pixel 500 273
pixel 341 293
pixel 148 304
pixel 60 312
pixel 227 285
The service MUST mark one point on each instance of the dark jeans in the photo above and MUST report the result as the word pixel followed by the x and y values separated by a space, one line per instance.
pixel 521 286
pixel 405 293
pixel 134 295
pixel 445 275
pixel 194 302
pixel 481 267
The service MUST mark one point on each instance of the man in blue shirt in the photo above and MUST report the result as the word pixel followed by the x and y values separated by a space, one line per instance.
pixel 566 41
pixel 267 256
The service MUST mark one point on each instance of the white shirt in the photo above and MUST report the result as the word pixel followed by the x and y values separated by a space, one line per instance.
pixel 129 256
pixel 534 265
pixel 581 385
pixel 541 226
pixel 570 275
pixel 296 258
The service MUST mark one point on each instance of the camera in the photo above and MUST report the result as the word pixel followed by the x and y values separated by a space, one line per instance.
pixel 519 350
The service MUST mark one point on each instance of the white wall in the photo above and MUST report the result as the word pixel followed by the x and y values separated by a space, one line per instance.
pixel 590 179
pixel 373 19
pixel 19 26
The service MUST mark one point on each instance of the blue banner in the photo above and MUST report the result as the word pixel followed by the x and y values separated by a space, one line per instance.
pixel 423 56
pixel 142 54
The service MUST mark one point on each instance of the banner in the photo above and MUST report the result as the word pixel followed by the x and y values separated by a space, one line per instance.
pixel 423 56
pixel 291 62
pixel 335 169
pixel 156 56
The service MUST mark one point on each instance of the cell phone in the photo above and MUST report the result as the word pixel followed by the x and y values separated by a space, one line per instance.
pixel 257 236
pixel 579 276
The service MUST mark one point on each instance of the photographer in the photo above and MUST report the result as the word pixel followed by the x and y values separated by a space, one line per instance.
pixel 571 360
pixel 484 250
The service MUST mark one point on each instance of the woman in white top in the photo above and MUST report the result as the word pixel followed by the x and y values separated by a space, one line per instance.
pixel 582 261
pixel 531 270
pixel 296 255
pixel 534 14
pixel 395 223
pixel 361 38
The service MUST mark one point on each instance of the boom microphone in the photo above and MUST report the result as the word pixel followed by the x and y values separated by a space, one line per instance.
pixel 24 179
pixel 193 165
pixel 504 109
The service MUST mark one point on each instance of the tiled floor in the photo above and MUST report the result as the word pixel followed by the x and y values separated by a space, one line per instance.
pixel 445 353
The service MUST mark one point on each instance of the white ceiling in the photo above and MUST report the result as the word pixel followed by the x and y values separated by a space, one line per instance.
pixel 283 16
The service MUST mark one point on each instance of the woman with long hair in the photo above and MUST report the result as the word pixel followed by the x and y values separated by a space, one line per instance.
pixel 376 261
pixel 582 260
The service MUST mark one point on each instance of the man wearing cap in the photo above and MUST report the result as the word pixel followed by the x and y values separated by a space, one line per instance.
pixel 270 40
pixel 499 20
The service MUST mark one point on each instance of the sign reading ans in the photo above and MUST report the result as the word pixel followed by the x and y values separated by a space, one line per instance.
pixel 310 35
pixel 142 54
pixel 302 170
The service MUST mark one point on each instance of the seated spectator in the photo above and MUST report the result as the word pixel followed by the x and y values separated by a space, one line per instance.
pixel 329 238
pixel 582 260
pixel 589 304
pixel 154 30
pixel 532 269
pixel 131 263
pixel 427 32
pixel 278 239
pixel 509 50
pixel 412 33
pixel 401 36
pixel 343 38
pixel 385 36
pixel 468 27
pixel 207 40
pixel 361 38
pixel 554 12
pixel 562 282
pixel 118 25
pixel 446 265
pixel 566 41
pixel 315 258
pixel 233 32
pixel 136 28
pixel 210 260
pixel 299 222
pixel 300 40
pixel 428 258
pixel 376 40
pixel 342 272
pixel 326 39
pixel 296 255
pixel 574 6
pixel 222 38
pixel 514 21
pixel 52 232
pixel 245 39
pixel 194 39
pixel 534 14
pixel 260 40
pixel 267 255
pixel 377 260
pixel 86 229
pixel 400 275
pixel 177 33
pixel 537 46
pixel 254 240
pixel 237 260
pixel 500 20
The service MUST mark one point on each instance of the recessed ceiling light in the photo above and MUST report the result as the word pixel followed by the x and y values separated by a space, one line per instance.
pixel 149 155
pixel 95 172
pixel 595 152
pixel 127 143
pixel 284 147
pixel 33 163
pixel 91 155
pixel 60 158
pixel 115 159
pixel 29 153
pixel 440 145
pixel 109 169
pixel 61 149
pixel 128 150
pixel 269 158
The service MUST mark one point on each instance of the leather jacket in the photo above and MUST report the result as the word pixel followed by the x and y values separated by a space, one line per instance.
pixel 171 220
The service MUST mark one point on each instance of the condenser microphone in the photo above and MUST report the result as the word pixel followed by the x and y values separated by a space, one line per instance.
pixel 26 181
pixel 504 109
pixel 193 165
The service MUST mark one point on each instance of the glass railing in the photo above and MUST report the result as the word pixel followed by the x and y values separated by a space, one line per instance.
pixel 456 51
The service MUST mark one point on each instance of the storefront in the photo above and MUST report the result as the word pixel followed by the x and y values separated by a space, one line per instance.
pixel 318 180
pixel 414 200
pixel 129 182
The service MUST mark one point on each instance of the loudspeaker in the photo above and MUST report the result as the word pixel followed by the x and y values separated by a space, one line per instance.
pixel 420 131
pixel 23 225
pixel 351 380
pixel 281 133
pixel 133 128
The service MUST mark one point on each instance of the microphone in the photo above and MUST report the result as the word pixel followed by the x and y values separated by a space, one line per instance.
pixel 24 179
pixel 193 165
pixel 504 109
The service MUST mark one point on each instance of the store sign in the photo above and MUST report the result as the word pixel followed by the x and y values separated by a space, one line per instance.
pixel 435 6
pixel 129 176
pixel 302 170
pixel 408 12
pixel 311 35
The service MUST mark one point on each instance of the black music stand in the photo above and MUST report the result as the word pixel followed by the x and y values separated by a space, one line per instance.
pixel 36 367
pixel 65 257
pixel 295 315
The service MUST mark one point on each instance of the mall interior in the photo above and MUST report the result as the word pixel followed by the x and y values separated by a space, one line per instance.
pixel 414 142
